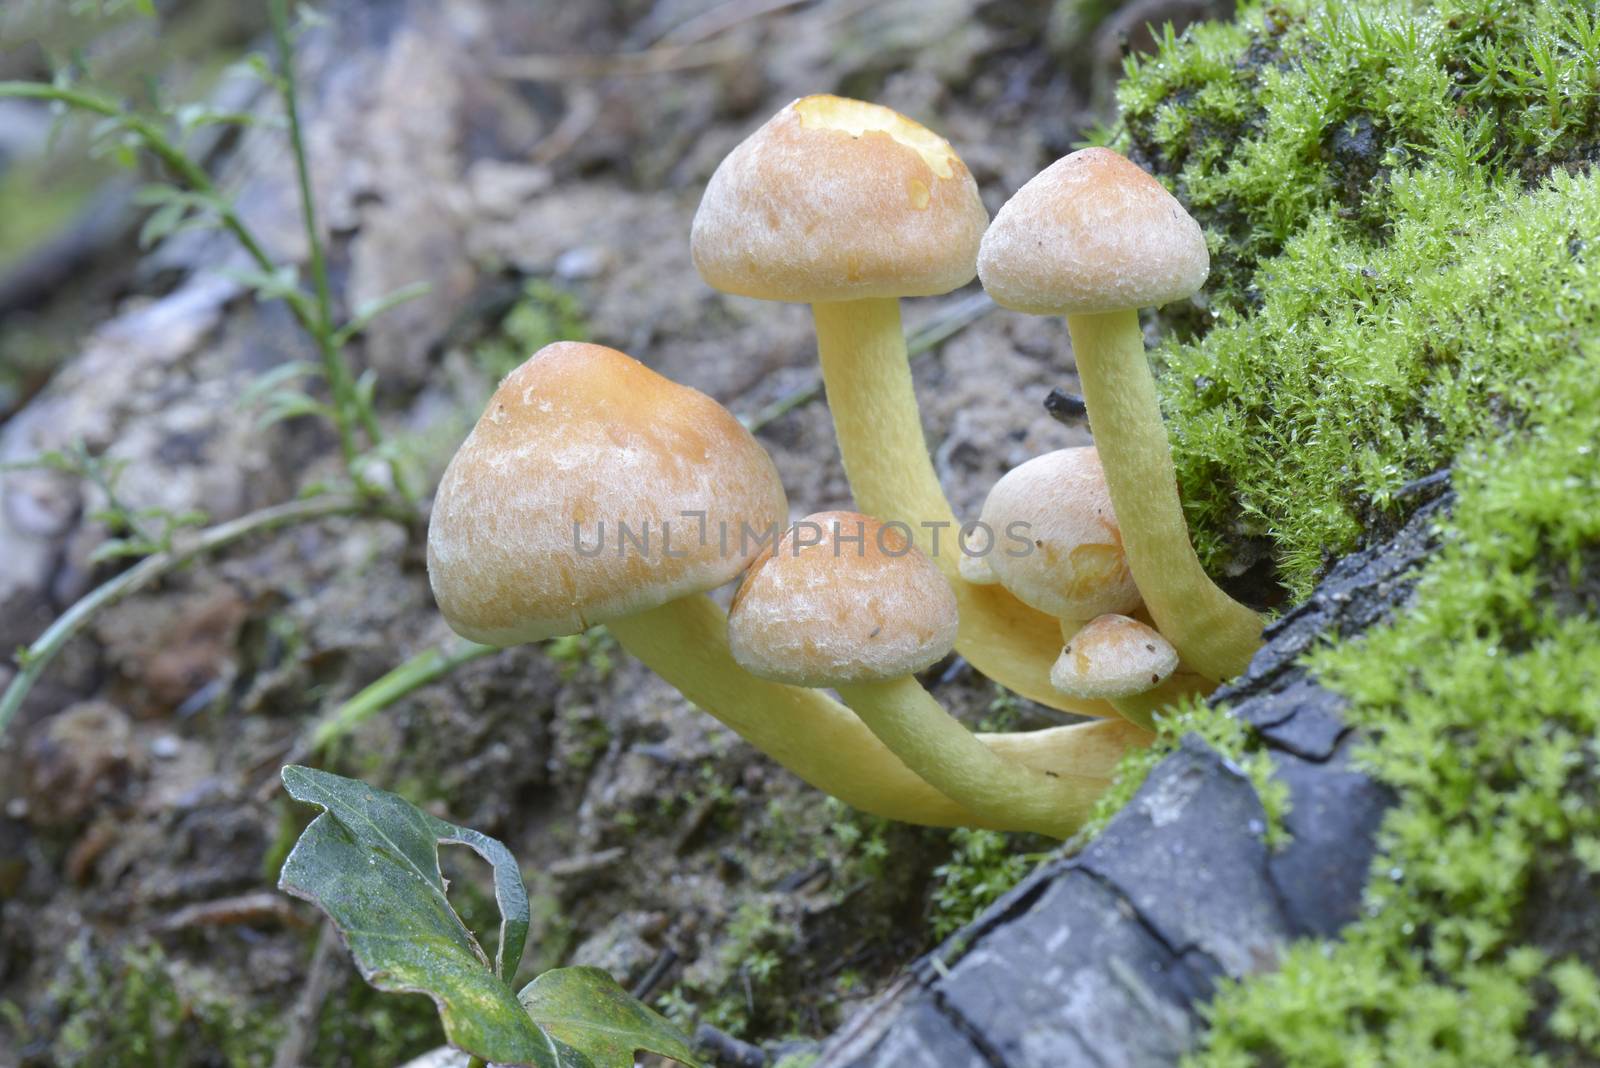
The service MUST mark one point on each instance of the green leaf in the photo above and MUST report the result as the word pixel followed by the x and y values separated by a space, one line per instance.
pixel 371 862
pixel 280 284
pixel 371 309
pixel 586 1009
pixel 121 548
pixel 275 378
pixel 161 223
pixel 290 404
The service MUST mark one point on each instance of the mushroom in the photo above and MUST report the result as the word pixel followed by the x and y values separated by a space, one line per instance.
pixel 849 206
pixel 1127 662
pixel 859 608
pixel 1062 552
pixel 1064 556
pixel 582 435
pixel 1095 238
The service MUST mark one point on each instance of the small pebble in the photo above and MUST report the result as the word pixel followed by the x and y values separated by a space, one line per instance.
pixel 582 263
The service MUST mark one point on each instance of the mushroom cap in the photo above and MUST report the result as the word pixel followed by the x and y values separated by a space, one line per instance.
pixel 577 440
pixel 1092 233
pixel 821 609
pixel 1074 566
pixel 837 199
pixel 1113 656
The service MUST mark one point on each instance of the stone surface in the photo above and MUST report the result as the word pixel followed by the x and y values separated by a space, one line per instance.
pixel 1104 958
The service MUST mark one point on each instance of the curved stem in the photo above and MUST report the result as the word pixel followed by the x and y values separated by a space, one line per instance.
pixel 933 743
pixel 1213 633
pixel 875 415
pixel 823 742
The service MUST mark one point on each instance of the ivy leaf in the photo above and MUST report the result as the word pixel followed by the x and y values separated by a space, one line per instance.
pixel 585 1008
pixel 371 862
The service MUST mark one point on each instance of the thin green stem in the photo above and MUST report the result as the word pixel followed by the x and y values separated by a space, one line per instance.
pixel 423 668
pixel 176 160
pixel 338 374
pixel 313 312
pixel 38 656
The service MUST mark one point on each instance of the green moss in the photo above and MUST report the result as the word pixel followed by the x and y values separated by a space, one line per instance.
pixel 140 1007
pixel 1359 335
pixel 1405 223
pixel 543 314
pixel 983 865
pixel 1481 706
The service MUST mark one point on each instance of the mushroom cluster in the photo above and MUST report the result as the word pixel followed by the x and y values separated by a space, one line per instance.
pixel 593 490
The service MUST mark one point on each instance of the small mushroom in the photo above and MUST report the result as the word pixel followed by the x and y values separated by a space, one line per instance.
pixel 581 435
pixel 1095 238
pixel 1114 656
pixel 1062 552
pixel 1064 556
pixel 857 607
pixel 849 206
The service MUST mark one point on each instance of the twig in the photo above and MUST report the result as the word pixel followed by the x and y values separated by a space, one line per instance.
pixel 954 319
pixel 583 108
pixel 303 1020
pixel 584 863
pixel 658 971
pixel 35 658
pixel 262 906
pixel 726 1049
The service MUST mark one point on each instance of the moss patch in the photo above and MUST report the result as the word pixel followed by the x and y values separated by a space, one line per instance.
pixel 1482 707
pixel 1405 220
pixel 1384 291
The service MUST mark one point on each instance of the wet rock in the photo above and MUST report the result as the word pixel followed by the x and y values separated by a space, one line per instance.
pixel 921 1034
pixel 1188 856
pixel 1063 1004
pixel 1334 812
pixel 623 946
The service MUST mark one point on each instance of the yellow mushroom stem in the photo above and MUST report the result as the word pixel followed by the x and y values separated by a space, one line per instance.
pixel 1212 632
pixel 933 743
pixel 875 415
pixel 821 741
